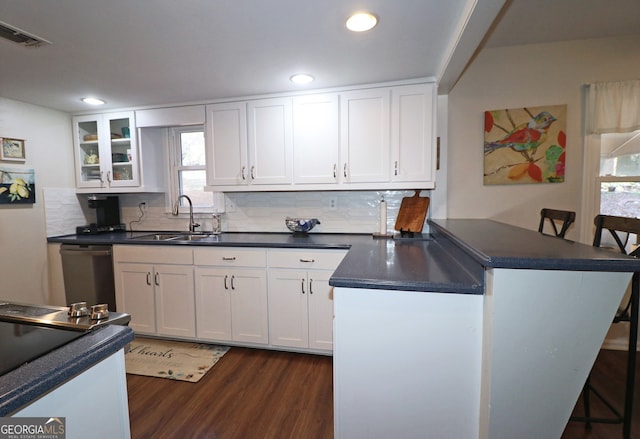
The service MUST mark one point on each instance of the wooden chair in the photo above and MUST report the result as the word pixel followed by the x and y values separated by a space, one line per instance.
pixel 620 228
pixel 566 217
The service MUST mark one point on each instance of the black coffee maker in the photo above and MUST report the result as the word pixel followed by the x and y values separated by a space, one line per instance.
pixel 107 216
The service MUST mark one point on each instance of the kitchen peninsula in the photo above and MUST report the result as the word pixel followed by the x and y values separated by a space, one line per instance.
pixel 505 353
pixel 477 329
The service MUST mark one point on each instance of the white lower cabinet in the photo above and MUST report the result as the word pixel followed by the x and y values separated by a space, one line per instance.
pixel 158 295
pixel 301 309
pixel 231 295
pixel 279 298
pixel 301 299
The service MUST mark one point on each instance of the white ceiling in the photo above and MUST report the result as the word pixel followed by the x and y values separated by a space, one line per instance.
pixel 157 52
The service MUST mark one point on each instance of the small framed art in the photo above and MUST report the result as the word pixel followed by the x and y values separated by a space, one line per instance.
pixel 12 150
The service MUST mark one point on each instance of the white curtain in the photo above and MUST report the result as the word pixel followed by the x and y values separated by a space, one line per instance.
pixel 613 107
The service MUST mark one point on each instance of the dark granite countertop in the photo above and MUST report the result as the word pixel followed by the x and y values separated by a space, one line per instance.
pixel 498 245
pixel 452 259
pixel 23 385
pixel 226 239
pixel 409 265
pixel 398 264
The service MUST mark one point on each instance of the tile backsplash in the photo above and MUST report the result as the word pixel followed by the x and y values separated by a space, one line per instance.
pixel 338 211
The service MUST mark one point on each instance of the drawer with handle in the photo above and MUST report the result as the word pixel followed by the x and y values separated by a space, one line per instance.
pixel 230 257
pixel 312 259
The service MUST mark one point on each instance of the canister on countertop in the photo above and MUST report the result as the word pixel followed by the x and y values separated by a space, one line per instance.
pixel 216 223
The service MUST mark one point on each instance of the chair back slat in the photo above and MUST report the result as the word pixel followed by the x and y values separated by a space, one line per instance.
pixel 567 217
pixel 616 225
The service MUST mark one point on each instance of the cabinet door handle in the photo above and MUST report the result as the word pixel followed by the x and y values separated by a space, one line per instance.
pixel 395 168
pixel 335 170
pixel 344 170
pixel 244 168
pixel 302 285
pixel 157 279
pixel 253 173
pixel 225 282
pixel 149 278
pixel 233 287
pixel 225 258
pixel 310 286
pixel 307 260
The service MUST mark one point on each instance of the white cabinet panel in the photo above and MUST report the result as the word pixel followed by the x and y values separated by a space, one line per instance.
pixel 213 304
pixel 413 133
pixel 226 142
pixel 175 303
pixel 288 315
pixel 135 295
pixel 364 136
pixel 270 141
pixel 316 145
pixel 171 116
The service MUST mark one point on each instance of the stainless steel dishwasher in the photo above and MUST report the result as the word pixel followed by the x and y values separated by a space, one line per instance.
pixel 88 274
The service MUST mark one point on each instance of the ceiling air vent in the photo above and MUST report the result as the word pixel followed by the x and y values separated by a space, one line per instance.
pixel 19 36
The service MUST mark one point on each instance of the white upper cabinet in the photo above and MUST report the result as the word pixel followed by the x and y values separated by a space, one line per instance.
pixel 106 152
pixel 379 138
pixel 226 138
pixel 316 143
pixel 270 141
pixel 249 143
pixel 111 153
pixel 413 133
pixel 364 136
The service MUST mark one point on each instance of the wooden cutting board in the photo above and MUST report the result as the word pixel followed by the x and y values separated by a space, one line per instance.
pixel 412 213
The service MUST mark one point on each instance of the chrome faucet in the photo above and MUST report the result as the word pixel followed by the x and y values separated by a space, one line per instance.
pixel 192 224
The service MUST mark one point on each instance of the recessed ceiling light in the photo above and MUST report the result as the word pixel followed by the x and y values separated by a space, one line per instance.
pixel 93 101
pixel 301 78
pixel 361 21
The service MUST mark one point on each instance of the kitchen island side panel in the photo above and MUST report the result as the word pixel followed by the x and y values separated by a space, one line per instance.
pixel 94 402
pixel 406 364
pixel 543 330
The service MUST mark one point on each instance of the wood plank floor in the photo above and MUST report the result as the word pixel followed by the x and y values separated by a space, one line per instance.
pixel 608 376
pixel 248 394
pixel 258 394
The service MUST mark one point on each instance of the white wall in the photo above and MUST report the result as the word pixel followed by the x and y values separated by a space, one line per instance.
pixel 527 76
pixel 23 242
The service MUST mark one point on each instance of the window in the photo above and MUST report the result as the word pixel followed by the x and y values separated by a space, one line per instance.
pixel 620 174
pixel 188 167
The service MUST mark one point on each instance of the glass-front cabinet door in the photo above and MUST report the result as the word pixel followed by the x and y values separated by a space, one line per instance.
pixel 106 151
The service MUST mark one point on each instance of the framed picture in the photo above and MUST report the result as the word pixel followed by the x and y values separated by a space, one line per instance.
pixel 525 145
pixel 17 186
pixel 12 150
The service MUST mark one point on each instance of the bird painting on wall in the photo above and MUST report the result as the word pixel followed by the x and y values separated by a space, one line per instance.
pixel 525 145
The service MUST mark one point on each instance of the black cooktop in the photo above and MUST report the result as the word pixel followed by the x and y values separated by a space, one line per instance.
pixel 22 343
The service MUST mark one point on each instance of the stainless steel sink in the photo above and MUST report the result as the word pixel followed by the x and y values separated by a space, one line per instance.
pixel 172 237
pixel 189 237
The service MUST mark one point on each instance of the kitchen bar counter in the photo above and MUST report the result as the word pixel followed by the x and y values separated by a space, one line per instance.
pixel 22 386
pixel 509 361
pixel 497 245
